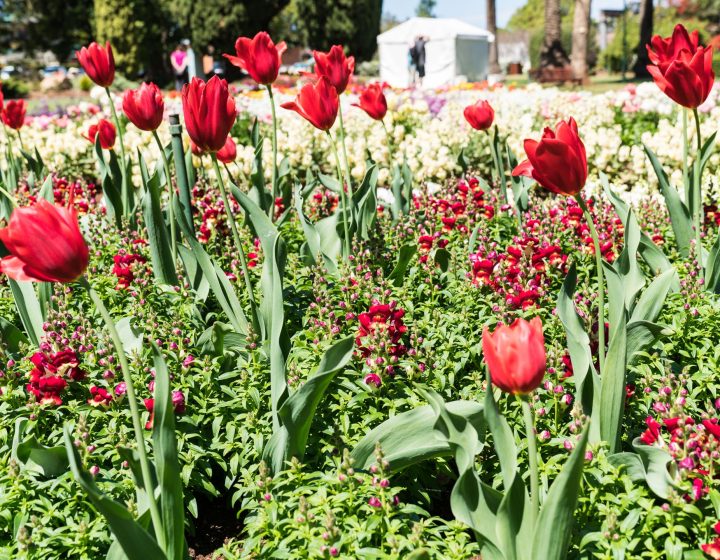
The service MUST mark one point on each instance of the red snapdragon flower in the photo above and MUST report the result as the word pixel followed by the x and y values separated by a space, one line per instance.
pixel 105 130
pixel 681 68
pixel 45 244
pixel 335 66
pixel 317 103
pixel 259 57
pixel 479 115
pixel 13 114
pixel 48 378
pixel 123 268
pixel 372 101
pixel 144 107
pixel 209 112
pixel 558 161
pixel 515 355
pixel 98 63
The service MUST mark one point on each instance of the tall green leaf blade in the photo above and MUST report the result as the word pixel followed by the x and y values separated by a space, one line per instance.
pixel 172 507
pixel 503 438
pixel 135 541
pixel 158 238
pixel 29 308
pixel 652 299
pixel 679 214
pixel 553 529
pixel 612 388
pixel 298 410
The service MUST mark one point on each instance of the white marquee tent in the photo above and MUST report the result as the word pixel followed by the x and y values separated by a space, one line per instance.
pixel 456 52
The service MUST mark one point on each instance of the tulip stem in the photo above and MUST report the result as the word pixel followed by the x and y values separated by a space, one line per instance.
pixel 389 145
pixel 238 243
pixel 686 171
pixel 10 197
pixel 343 195
pixel 275 151
pixel 22 146
pixel 171 210
pixel 600 281
pixel 344 149
pixel 126 190
pixel 697 192
pixel 532 454
pixel 134 411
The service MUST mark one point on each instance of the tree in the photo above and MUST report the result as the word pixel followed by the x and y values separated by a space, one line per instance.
pixel 552 52
pixel 580 36
pixel 426 8
pixel 646 31
pixel 355 24
pixel 492 28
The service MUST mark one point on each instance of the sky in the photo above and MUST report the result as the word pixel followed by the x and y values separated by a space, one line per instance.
pixel 473 11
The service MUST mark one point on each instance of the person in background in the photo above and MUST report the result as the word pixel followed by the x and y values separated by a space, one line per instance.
pixel 178 61
pixel 419 49
pixel 191 60
pixel 208 62
pixel 411 64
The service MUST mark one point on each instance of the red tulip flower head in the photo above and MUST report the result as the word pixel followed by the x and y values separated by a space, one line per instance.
pixel 259 57
pixel 45 244
pixel 515 355
pixel 373 102
pixel 144 107
pixel 105 130
pixel 681 68
pixel 335 66
pixel 98 63
pixel 318 103
pixel 479 115
pixel 228 152
pixel 558 161
pixel 13 114
pixel 209 112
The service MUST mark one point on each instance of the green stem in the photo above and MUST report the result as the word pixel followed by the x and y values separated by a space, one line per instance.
pixel 600 280
pixel 532 455
pixel 238 243
pixel 134 411
pixel 171 210
pixel 389 145
pixel 697 191
pixel 343 195
pixel 275 150
pixel 20 139
pixel 686 175
pixel 230 175
pixel 117 125
pixel 10 197
pixel 345 156
pixel 127 192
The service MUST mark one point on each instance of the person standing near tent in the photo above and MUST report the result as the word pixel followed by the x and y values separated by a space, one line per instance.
pixel 419 52
pixel 191 60
pixel 411 64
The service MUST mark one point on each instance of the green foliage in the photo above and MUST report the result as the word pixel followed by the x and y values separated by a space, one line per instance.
pixel 426 8
pixel 354 24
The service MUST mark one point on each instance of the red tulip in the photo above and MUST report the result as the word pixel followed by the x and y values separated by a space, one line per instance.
pixel 558 162
pixel 318 103
pixel 479 115
pixel 228 153
pixel 259 57
pixel 105 130
pixel 335 66
pixel 209 112
pixel 144 107
pixel 681 68
pixel 13 115
pixel 515 355
pixel 373 102
pixel 98 63
pixel 195 150
pixel 45 244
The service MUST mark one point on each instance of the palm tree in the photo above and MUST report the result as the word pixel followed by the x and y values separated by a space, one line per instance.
pixel 646 31
pixel 492 28
pixel 552 52
pixel 580 34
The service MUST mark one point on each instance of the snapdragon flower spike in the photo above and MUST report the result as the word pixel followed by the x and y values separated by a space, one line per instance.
pixel 48 378
pixel 45 244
